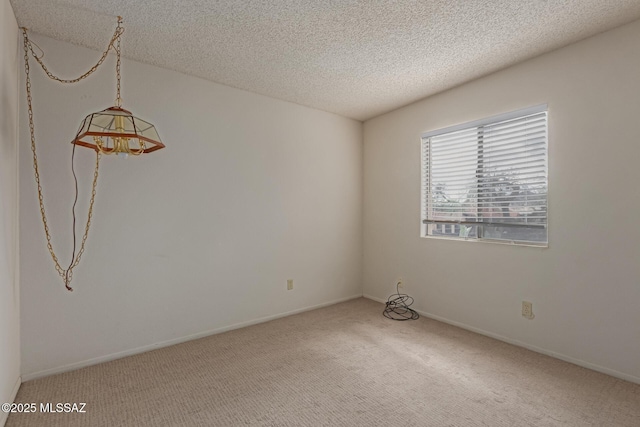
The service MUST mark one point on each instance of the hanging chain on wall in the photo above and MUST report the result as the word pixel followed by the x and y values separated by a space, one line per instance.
pixel 114 43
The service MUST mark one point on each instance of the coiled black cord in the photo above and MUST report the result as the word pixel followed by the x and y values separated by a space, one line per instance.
pixel 397 307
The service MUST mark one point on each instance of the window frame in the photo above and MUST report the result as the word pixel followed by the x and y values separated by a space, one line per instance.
pixel 424 214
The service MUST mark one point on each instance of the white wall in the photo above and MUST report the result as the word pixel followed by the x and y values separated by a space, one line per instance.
pixel 197 237
pixel 585 287
pixel 9 279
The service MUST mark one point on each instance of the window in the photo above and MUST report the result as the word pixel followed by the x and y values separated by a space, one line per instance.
pixel 487 180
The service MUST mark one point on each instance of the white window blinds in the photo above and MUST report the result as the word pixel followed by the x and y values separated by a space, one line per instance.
pixel 488 179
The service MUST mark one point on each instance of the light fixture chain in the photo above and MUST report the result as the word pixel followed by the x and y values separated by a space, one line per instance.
pixel 90 214
pixel 66 274
pixel 116 37
pixel 59 269
pixel 118 98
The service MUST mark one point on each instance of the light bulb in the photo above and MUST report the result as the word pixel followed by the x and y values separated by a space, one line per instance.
pixel 123 155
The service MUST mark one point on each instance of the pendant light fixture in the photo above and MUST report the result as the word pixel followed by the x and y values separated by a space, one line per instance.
pixel 115 130
pixel 110 131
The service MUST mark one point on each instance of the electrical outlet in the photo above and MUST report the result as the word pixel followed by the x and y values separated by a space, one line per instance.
pixel 400 282
pixel 289 284
pixel 527 310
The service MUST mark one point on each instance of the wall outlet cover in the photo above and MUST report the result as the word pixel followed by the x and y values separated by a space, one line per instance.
pixel 527 310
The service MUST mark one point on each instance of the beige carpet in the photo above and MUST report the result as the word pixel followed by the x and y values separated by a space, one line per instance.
pixel 344 365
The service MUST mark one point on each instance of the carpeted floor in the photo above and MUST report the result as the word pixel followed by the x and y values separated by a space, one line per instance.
pixel 344 365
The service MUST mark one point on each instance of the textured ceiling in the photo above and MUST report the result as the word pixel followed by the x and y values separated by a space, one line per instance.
pixel 354 58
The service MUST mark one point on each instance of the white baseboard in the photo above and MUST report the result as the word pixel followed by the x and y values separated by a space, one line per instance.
pixel 12 398
pixel 540 350
pixel 131 352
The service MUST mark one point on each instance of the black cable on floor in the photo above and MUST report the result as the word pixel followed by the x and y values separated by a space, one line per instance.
pixel 397 307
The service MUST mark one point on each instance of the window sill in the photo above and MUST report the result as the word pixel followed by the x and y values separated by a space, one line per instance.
pixel 544 245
